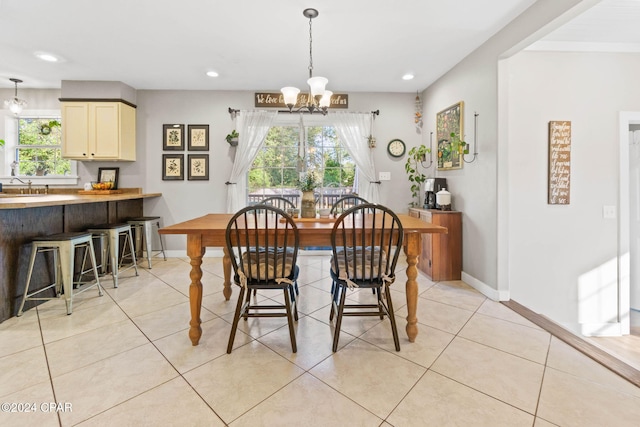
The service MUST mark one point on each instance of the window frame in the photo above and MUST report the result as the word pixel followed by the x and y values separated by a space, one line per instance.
pixel 304 122
pixel 8 155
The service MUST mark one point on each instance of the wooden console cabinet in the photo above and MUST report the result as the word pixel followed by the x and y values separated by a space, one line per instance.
pixel 441 256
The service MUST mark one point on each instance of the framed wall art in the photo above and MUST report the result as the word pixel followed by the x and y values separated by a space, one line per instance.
pixel 172 167
pixel 559 188
pixel 198 137
pixel 198 167
pixel 173 137
pixel 109 174
pixel 450 121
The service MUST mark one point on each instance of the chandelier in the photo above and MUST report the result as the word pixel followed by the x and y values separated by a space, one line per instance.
pixel 319 98
pixel 16 104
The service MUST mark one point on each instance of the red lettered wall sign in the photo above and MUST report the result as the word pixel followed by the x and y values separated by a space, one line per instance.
pixel 559 162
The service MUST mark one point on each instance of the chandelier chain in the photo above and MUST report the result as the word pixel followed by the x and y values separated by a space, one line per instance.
pixel 310 49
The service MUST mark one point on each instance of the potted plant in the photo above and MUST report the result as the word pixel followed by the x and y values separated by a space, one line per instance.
pixel 416 156
pixel 457 144
pixel 232 138
pixel 308 182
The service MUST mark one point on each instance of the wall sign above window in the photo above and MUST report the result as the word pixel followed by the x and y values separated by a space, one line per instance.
pixel 276 100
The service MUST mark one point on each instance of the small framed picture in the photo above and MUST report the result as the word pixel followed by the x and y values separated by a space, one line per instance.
pixel 198 167
pixel 198 137
pixel 172 167
pixel 109 174
pixel 173 137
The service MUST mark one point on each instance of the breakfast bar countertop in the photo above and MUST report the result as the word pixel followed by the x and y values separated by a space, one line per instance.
pixel 67 197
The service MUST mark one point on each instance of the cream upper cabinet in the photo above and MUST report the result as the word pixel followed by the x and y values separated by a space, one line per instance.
pixel 98 131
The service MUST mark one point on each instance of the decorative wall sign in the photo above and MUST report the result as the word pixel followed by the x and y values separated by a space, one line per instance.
pixel 198 137
pixel 172 167
pixel 173 137
pixel 275 99
pixel 198 167
pixel 448 121
pixel 559 162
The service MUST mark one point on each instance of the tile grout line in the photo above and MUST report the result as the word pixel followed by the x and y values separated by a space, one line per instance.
pixel 46 357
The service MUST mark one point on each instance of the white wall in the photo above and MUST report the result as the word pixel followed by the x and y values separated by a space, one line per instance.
pixel 563 257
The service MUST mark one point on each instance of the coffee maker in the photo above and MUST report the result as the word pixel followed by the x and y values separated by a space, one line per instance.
pixel 432 186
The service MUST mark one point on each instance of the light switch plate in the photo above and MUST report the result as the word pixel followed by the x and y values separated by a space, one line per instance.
pixel 609 212
pixel 384 176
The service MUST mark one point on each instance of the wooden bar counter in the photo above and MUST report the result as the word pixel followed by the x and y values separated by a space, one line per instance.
pixel 25 216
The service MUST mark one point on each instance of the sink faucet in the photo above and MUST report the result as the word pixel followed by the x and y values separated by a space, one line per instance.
pixel 28 182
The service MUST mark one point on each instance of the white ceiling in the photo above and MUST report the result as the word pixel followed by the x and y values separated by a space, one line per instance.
pixel 359 45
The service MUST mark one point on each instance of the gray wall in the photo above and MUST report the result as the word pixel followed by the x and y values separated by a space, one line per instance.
pixel 183 200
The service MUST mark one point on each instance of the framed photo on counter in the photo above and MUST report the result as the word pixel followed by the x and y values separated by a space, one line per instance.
pixel 109 174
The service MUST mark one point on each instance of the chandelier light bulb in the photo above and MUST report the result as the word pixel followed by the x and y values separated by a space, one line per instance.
pixel 317 85
pixel 15 105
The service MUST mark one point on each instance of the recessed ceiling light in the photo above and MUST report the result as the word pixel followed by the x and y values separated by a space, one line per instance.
pixel 212 74
pixel 407 76
pixel 47 57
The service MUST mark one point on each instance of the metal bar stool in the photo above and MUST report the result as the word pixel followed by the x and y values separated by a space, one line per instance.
pixel 142 233
pixel 114 232
pixel 63 247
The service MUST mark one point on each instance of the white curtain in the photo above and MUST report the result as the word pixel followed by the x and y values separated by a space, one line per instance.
pixel 252 127
pixel 354 130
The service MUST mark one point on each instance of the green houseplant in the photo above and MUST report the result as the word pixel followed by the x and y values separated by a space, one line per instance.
pixel 308 182
pixel 415 157
pixel 232 138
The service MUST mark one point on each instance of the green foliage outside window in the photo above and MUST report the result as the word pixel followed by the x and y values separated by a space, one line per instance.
pixel 39 151
pixel 277 167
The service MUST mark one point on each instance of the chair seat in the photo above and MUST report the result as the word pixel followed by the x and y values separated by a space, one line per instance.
pixel 145 218
pixel 62 237
pixel 267 264
pixel 356 270
pixel 108 226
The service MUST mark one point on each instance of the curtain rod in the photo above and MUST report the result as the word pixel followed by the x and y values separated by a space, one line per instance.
pixel 233 112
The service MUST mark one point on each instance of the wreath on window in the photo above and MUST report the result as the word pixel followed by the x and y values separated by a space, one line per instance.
pixel 45 129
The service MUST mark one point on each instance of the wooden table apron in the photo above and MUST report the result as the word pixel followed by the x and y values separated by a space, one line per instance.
pixel 209 231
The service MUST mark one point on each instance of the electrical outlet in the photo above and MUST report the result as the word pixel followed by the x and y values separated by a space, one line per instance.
pixel 384 176
pixel 609 212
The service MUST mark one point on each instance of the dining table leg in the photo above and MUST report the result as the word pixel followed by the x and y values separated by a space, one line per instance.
pixel 195 250
pixel 412 248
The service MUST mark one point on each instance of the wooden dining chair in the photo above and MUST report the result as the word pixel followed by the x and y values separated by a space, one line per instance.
pixel 346 202
pixel 263 243
pixel 366 241
pixel 278 202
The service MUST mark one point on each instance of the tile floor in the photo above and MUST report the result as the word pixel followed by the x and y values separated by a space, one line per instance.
pixel 125 359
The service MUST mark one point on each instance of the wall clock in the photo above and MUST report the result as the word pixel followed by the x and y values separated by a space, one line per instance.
pixel 396 148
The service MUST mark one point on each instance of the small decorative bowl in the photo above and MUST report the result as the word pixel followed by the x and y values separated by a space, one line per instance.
pixel 106 185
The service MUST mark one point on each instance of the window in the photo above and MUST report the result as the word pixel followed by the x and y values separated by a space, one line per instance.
pixel 33 148
pixel 38 152
pixel 276 168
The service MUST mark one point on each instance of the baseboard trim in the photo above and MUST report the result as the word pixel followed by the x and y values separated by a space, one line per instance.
pixel 602 357
pixel 485 289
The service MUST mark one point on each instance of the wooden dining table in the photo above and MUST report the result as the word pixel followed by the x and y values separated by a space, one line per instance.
pixel 209 231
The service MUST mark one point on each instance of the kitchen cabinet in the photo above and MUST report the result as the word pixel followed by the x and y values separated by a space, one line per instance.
pixel 441 255
pixel 98 131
